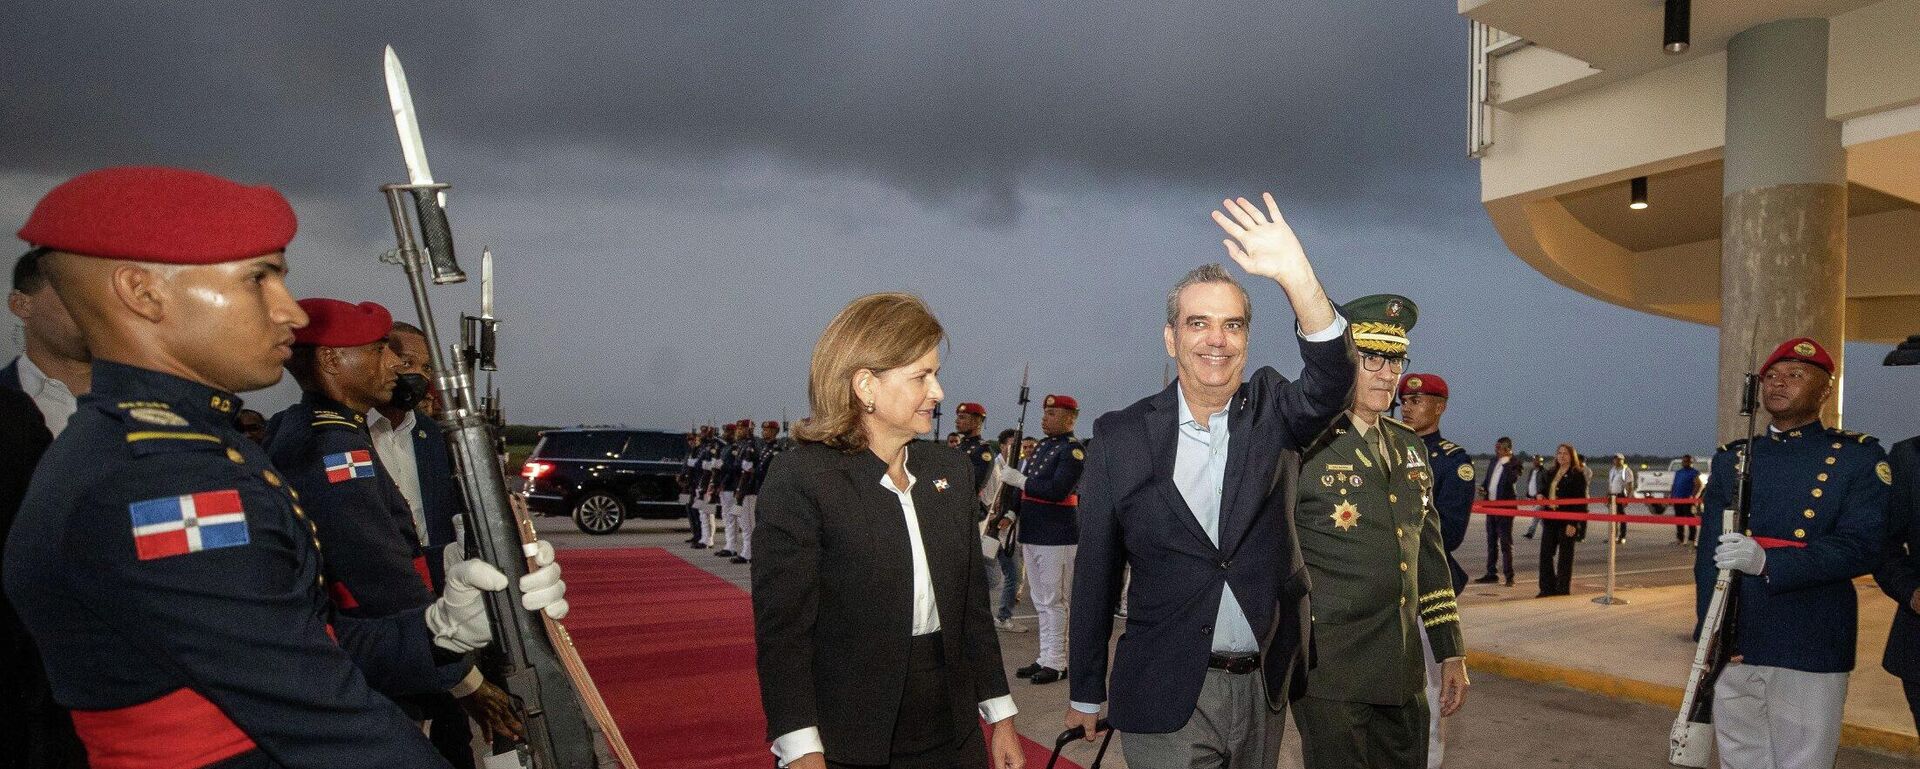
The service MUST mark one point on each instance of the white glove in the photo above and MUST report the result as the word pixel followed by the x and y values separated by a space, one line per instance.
pixel 459 619
pixel 1008 475
pixel 542 588
pixel 1740 553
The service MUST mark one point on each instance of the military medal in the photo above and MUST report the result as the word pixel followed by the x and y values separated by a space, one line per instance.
pixel 1345 516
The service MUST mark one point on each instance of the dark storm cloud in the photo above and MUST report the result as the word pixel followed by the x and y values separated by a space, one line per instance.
pixel 951 101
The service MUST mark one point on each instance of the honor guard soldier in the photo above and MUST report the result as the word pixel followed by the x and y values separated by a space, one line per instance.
pixel 693 478
pixel 1050 529
pixel 375 565
pixel 169 573
pixel 748 492
pixel 1423 401
pixel 1899 573
pixel 968 418
pixel 1371 538
pixel 1816 519
pixel 713 454
pixel 739 468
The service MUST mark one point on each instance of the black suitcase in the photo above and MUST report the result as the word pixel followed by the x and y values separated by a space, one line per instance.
pixel 1077 733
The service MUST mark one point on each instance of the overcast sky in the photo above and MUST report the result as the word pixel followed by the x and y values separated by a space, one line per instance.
pixel 680 195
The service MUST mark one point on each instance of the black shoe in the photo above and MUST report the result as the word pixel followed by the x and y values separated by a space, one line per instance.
pixel 1526 536
pixel 1486 580
pixel 700 546
pixel 738 559
pixel 1048 675
pixel 1509 581
pixel 1028 671
pixel 1543 594
pixel 724 553
pixel 691 540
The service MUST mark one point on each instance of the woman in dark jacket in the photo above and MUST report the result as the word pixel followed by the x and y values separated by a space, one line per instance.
pixel 875 646
pixel 1566 479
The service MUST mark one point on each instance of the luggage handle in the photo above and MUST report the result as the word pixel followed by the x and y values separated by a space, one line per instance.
pixel 1080 732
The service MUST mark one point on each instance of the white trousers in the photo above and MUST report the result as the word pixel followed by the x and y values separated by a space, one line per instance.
pixel 1776 718
pixel 1049 583
pixel 739 520
pixel 1436 740
pixel 708 512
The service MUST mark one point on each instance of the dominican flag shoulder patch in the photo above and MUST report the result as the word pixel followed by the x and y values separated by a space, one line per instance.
pixel 188 524
pixel 348 465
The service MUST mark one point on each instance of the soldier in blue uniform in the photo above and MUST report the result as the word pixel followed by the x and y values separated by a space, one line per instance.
pixel 1817 518
pixel 1423 401
pixel 693 478
pixel 747 491
pixel 713 461
pixel 376 565
pixel 1050 529
pixel 738 470
pixel 1899 572
pixel 968 419
pixel 169 573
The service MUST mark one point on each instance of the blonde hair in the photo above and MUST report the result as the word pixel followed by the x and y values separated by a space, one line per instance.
pixel 878 332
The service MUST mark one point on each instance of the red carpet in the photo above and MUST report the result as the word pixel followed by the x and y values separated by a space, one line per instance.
pixel 671 648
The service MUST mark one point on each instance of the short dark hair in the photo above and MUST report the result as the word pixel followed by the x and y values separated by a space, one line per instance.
pixel 27 276
pixel 403 326
pixel 1007 435
pixel 1505 440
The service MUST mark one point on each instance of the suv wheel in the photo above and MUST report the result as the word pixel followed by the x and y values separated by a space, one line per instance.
pixel 599 512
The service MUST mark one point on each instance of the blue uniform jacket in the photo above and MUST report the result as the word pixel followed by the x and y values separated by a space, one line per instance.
pixel 440 492
pixel 374 564
pixel 1452 496
pixel 981 455
pixel 1050 502
pixel 167 568
pixel 1821 486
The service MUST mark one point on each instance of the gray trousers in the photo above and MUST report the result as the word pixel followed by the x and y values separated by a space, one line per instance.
pixel 1231 727
pixel 1776 718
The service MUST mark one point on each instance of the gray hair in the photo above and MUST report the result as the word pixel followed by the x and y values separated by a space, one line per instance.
pixel 1206 273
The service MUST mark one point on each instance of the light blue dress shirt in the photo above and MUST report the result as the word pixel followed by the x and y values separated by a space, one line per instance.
pixel 1200 472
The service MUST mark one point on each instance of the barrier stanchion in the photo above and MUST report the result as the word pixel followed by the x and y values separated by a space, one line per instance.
pixel 1613 553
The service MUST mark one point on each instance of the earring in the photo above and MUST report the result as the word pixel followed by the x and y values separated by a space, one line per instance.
pixel 869 407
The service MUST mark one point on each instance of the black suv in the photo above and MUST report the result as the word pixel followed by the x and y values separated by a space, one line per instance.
pixel 601 476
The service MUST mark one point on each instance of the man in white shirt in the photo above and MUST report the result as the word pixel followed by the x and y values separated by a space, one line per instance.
pixel 1620 484
pixel 55 368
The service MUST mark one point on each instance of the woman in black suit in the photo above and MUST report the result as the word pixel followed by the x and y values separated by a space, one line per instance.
pixel 1566 479
pixel 875 644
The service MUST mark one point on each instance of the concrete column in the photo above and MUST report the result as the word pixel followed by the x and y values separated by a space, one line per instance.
pixel 1783 224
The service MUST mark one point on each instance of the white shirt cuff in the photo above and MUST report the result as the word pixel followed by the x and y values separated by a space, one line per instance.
pixel 1089 708
pixel 799 742
pixel 469 684
pixel 998 709
pixel 1328 334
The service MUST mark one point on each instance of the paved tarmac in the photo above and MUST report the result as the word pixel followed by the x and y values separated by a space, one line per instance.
pixel 1507 722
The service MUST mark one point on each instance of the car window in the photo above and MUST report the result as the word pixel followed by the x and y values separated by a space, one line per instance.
pixel 583 445
pixel 656 447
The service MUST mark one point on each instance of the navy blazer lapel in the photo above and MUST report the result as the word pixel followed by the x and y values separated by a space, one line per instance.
pixel 1163 443
pixel 1235 517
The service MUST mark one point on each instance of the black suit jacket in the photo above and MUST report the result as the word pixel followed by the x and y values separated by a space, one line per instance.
pixel 1899 573
pixel 1504 487
pixel 1573 485
pixel 833 594
pixel 1132 513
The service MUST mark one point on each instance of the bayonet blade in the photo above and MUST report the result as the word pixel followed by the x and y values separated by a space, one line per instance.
pixel 408 123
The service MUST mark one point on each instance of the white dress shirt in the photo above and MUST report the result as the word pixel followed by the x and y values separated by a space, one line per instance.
pixel 394 444
pixel 926 619
pixel 56 402
pixel 1493 477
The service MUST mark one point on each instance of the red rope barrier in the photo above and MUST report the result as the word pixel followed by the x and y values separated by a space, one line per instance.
pixel 1512 508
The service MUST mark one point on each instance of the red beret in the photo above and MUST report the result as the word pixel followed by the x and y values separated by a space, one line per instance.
pixel 770 423
pixel 167 215
pixel 1424 384
pixel 1802 349
pixel 746 423
pixel 333 323
pixel 1061 402
pixel 971 408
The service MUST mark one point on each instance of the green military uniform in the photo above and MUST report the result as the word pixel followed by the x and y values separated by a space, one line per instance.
pixel 1371 538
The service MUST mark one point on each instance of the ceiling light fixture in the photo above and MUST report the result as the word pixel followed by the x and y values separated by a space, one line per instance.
pixel 1638 198
pixel 1678 26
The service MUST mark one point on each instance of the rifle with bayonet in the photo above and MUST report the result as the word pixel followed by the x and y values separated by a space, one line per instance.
pixel 566 725
pixel 1691 737
pixel 1007 499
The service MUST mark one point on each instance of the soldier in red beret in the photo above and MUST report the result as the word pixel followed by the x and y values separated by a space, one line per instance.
pixel 376 565
pixel 1049 484
pixel 168 572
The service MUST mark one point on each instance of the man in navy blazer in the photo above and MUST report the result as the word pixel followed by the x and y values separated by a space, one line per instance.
pixel 1193 489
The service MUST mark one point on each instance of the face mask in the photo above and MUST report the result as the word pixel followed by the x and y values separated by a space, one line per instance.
pixel 408 391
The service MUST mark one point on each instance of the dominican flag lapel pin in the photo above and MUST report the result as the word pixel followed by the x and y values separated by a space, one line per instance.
pixel 940 484
pixel 188 523
pixel 348 465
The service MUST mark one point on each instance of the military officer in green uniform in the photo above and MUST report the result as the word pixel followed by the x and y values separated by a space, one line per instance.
pixel 1371 538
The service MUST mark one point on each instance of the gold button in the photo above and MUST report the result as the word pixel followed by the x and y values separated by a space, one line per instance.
pixel 294 492
pixel 1831 460
pixel 235 455
pixel 1393 498
pixel 272 480
pixel 1817 493
pixel 1808 513
pixel 1399 532
pixel 1800 533
pixel 1822 477
pixel 1403 600
pixel 1403 565
pixel 1836 445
